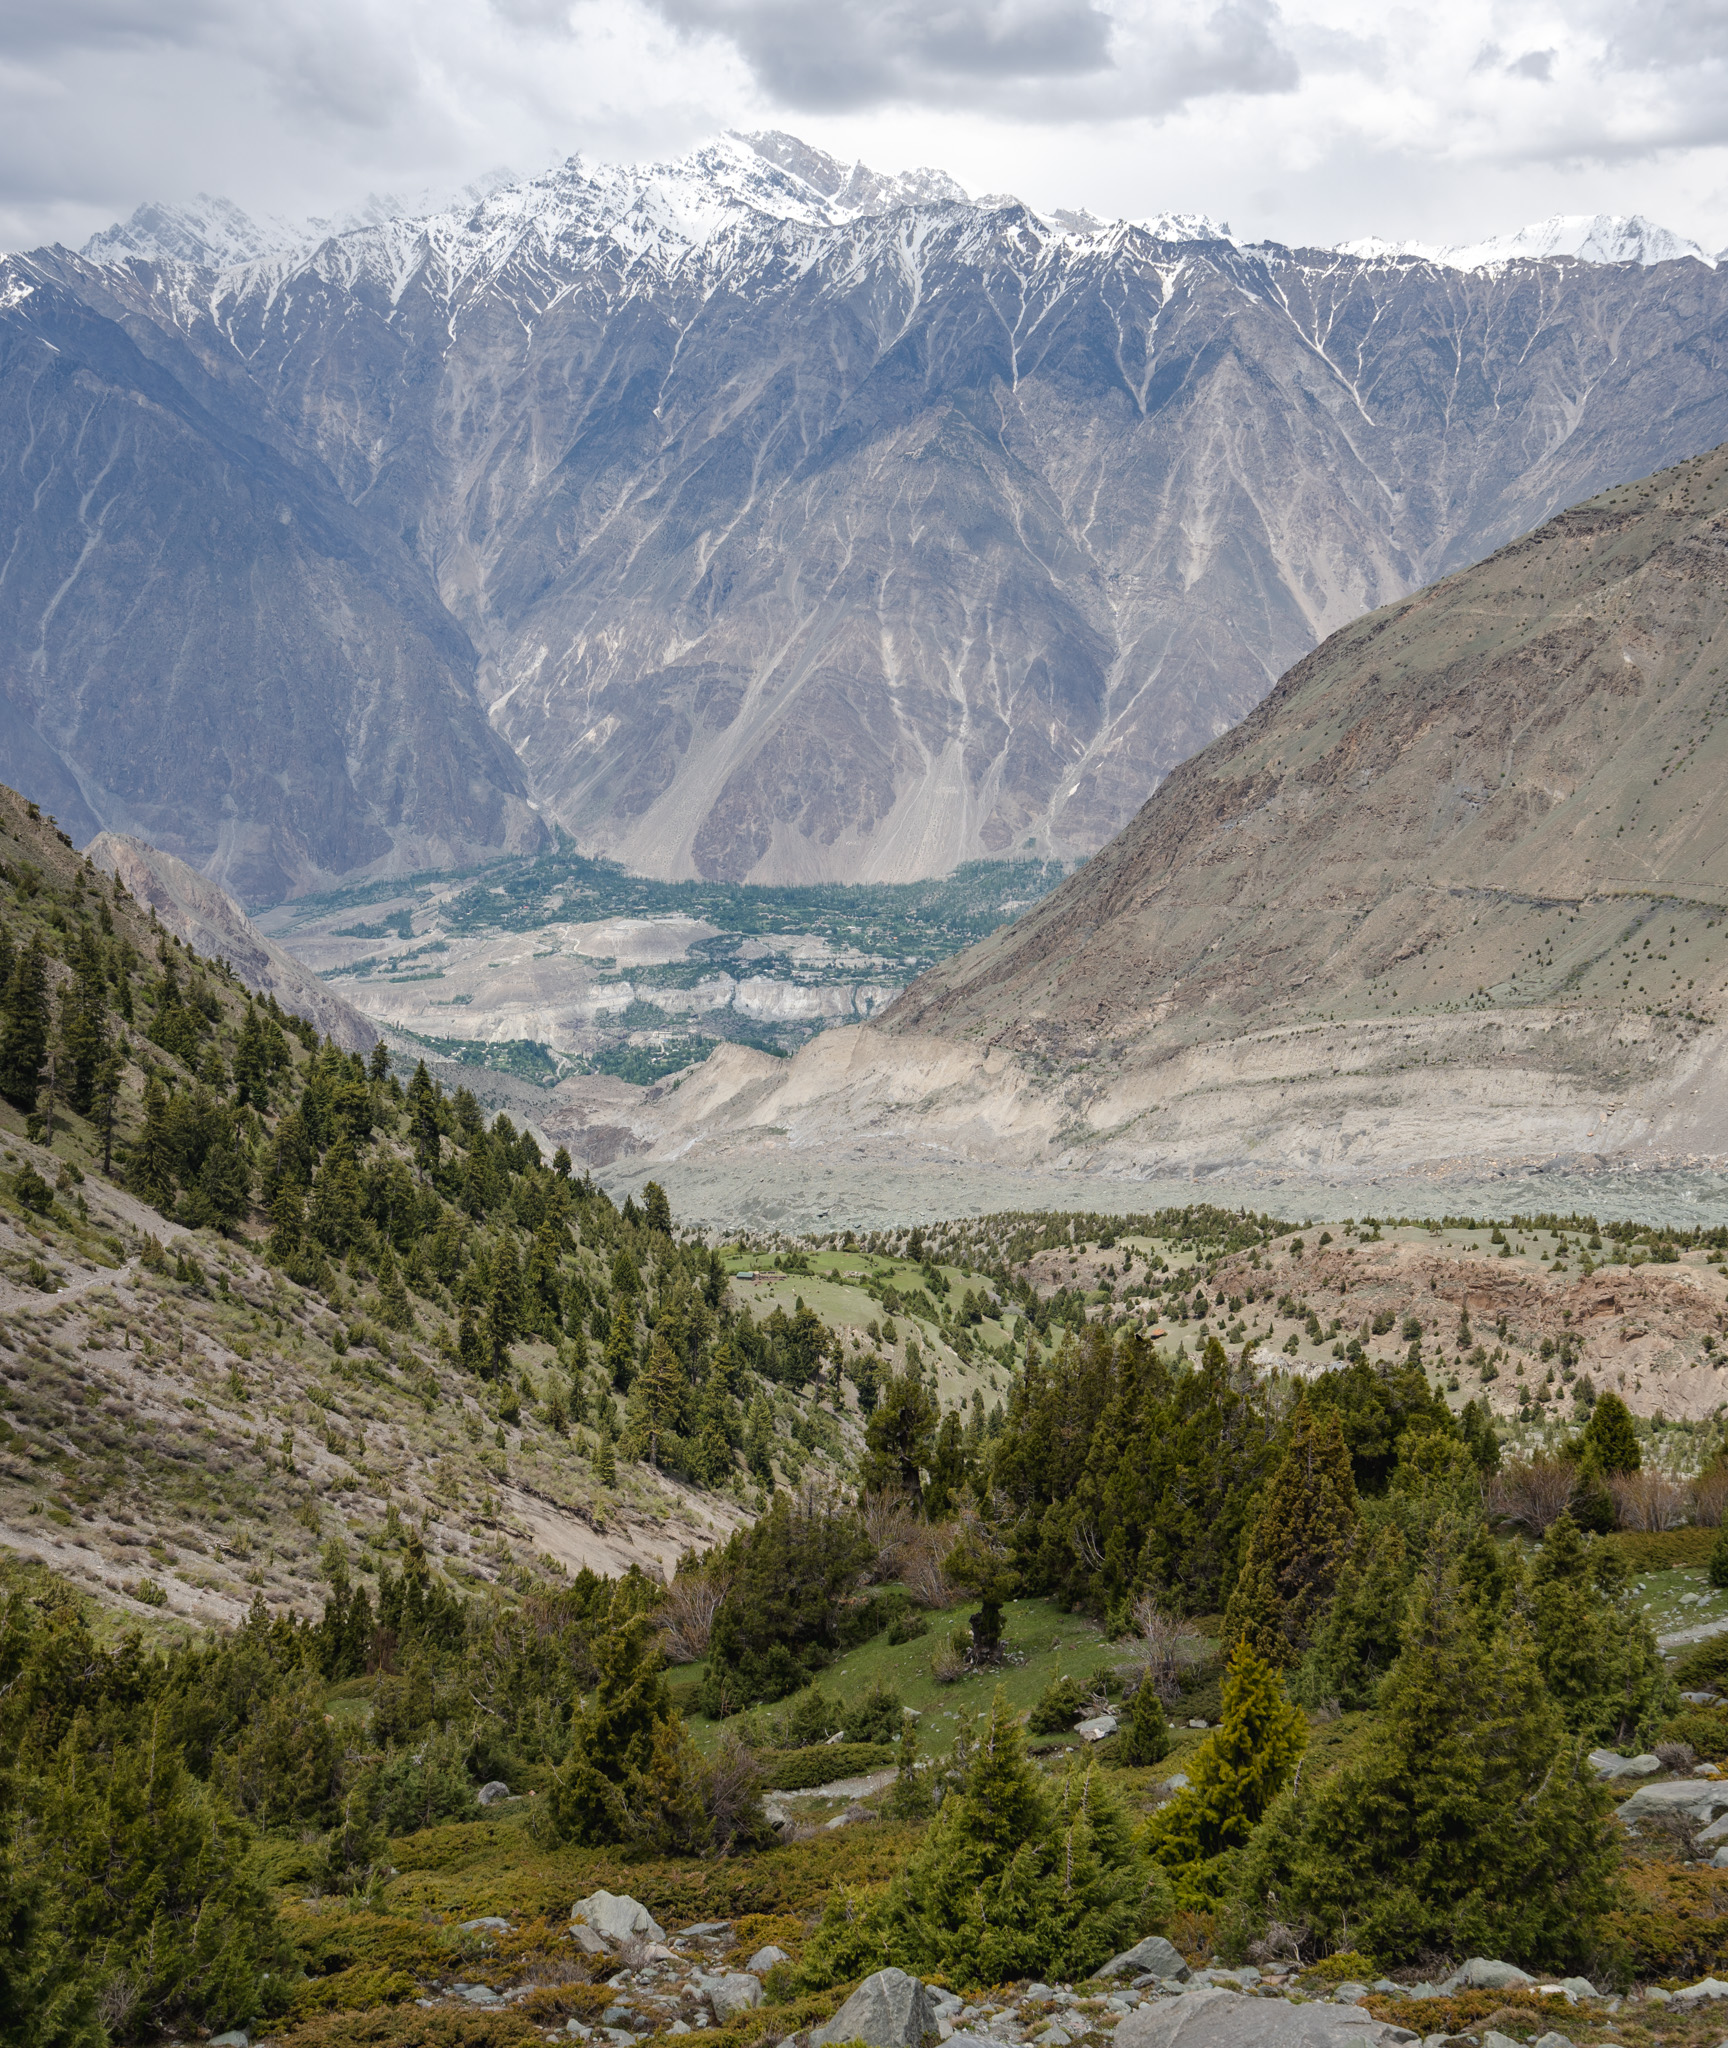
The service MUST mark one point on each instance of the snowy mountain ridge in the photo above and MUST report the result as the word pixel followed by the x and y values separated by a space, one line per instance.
pixel 1590 237
pixel 666 212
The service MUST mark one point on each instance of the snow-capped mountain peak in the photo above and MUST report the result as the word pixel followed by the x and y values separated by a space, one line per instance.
pixel 1590 237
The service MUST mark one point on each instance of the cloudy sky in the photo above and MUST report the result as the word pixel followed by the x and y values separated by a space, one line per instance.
pixel 1311 120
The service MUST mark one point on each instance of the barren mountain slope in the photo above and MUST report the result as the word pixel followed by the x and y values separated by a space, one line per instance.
pixel 1459 888
pixel 782 534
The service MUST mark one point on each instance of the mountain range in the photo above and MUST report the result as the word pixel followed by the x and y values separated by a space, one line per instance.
pixel 754 516
pixel 1453 898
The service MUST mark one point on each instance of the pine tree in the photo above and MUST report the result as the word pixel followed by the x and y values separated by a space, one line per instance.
pixel 909 1797
pixel 619 1357
pixel 1233 1777
pixel 1610 1433
pixel 1467 1825
pixel 1357 1642
pixel 656 1209
pixel 84 1024
pixel 24 1040
pixel 423 1125
pixel 150 1167
pixel 1146 1739
pixel 1300 1541
pixel 503 1306
pixel 759 1440
pixel 900 1438
pixel 1009 1881
pixel 1590 1504
pixel 658 1401
pixel 1595 1650
pixel 601 1789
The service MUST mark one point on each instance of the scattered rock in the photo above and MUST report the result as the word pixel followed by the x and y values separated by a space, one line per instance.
pixel 1153 1957
pixel 478 1994
pixel 615 2016
pixel 1211 2017
pixel 617 1918
pixel 1484 1973
pixel 704 1930
pixel 1607 1764
pixel 765 1958
pixel 1706 1987
pixel 491 1792
pixel 587 1940
pixel 1552 2041
pixel 888 2010
pixel 491 1921
pixel 1491 2039
pixel 735 1992
pixel 236 2037
pixel 1199 1721
pixel 1349 1993
pixel 1097 1728
pixel 1698 1796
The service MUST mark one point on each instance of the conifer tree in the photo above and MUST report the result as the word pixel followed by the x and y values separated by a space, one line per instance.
pixel 900 1438
pixel 423 1123
pixel 84 1025
pixel 619 1358
pixel 150 1167
pixel 1595 1650
pixel 1357 1642
pixel 1233 1777
pixel 655 1417
pixel 631 1773
pixel 1610 1433
pixel 24 1039
pixel 503 1306
pixel 1468 1824
pixel 1299 1543
pixel 759 1440
pixel 1010 1880
pixel 1146 1739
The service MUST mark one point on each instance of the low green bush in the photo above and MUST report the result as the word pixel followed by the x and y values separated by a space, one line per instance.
pixel 798 1769
pixel 1060 1705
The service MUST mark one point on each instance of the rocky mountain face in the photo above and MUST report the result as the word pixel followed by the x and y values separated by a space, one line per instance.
pixel 756 516
pixel 1454 895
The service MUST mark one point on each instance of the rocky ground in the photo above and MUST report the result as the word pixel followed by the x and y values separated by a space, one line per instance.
pixel 639 1981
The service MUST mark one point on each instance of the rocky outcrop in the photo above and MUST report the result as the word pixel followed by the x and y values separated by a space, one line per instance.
pixel 195 909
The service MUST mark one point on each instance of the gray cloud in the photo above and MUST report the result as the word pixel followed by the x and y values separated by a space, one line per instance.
pixel 1004 55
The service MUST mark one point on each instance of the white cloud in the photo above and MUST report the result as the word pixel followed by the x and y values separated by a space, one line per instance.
pixel 1306 119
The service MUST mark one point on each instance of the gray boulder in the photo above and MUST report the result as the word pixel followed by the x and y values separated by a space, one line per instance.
pixel 236 2037
pixel 1703 1798
pixel 492 1922
pixel 492 1792
pixel 1095 1729
pixel 1607 1764
pixel 1152 1957
pixel 888 2010
pixel 617 1917
pixel 765 1958
pixel 1552 2040
pixel 1211 2017
pixel 1493 2040
pixel 735 1992
pixel 587 1940
pixel 1696 1994
pixel 1484 1973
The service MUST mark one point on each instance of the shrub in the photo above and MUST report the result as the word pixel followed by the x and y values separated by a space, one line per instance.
pixel 798 1769
pixel 1718 1566
pixel 907 1627
pixel 1146 1739
pixel 1704 1666
pixel 1703 1730
pixel 1060 1705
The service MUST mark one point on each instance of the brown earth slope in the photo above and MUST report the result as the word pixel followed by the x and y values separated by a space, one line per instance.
pixel 1455 894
